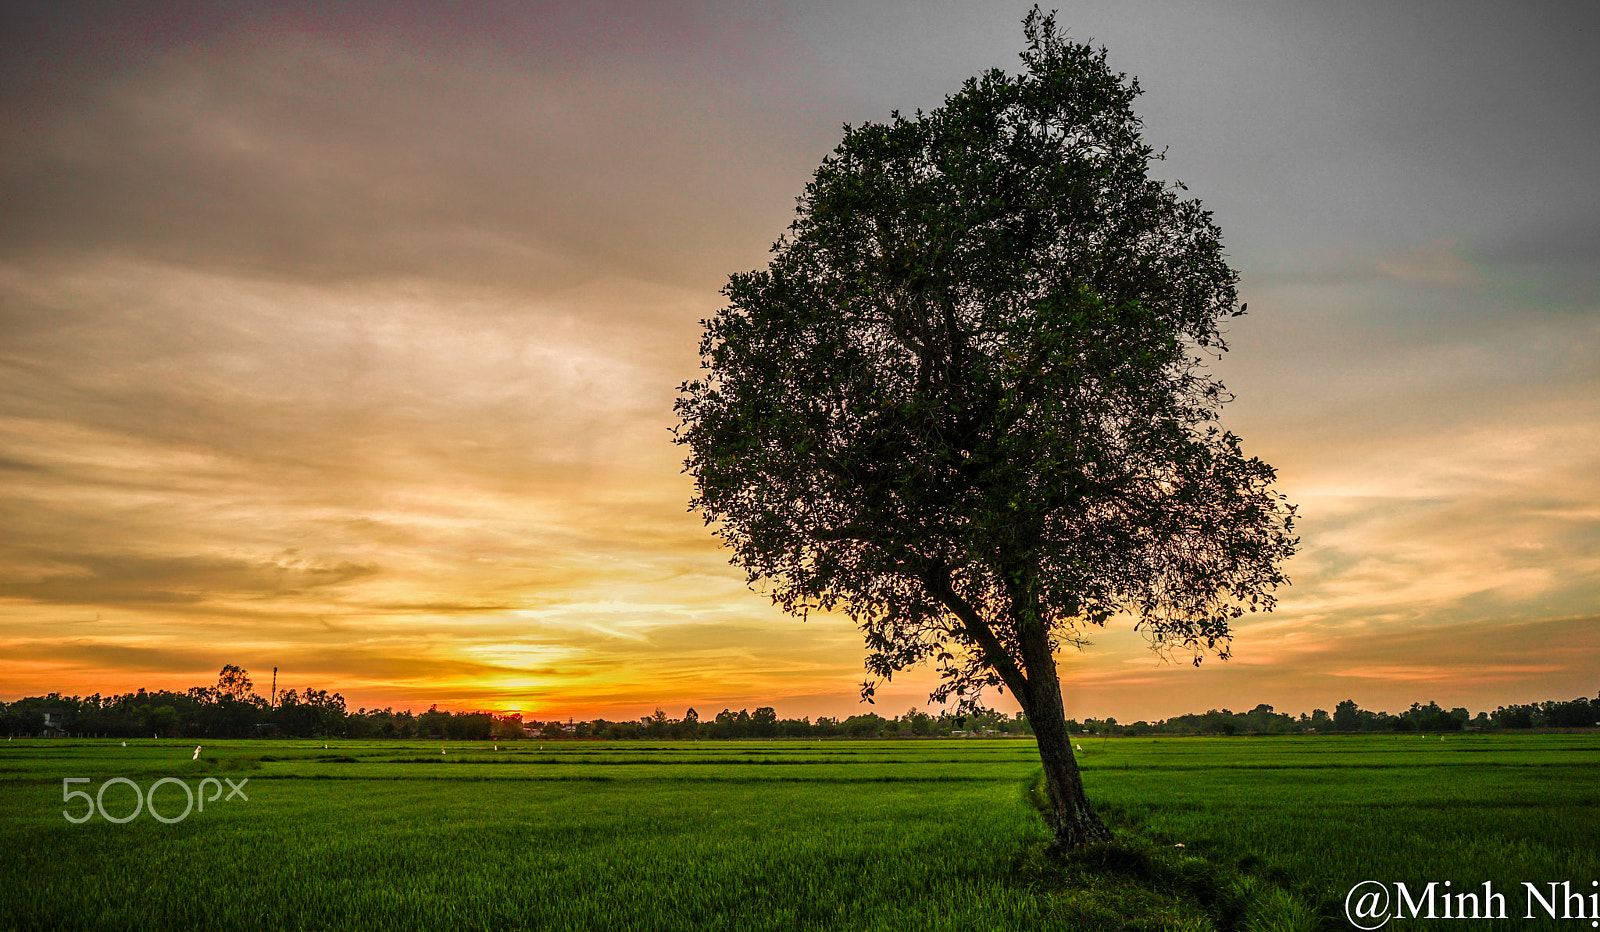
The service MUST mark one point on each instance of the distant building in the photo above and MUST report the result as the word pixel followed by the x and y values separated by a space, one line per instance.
pixel 54 723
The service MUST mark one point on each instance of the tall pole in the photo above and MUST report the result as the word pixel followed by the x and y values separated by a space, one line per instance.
pixel 274 687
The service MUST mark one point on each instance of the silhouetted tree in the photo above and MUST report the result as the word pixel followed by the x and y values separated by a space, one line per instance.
pixel 509 727
pixel 967 402
pixel 1347 716
pixel 234 682
pixel 764 722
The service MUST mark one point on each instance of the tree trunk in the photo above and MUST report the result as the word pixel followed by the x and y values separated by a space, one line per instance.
pixel 1038 689
pixel 1074 821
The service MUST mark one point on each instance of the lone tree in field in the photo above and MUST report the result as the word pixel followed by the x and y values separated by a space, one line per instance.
pixel 967 401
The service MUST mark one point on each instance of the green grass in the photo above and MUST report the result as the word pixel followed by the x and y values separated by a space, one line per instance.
pixel 782 835
pixel 1318 815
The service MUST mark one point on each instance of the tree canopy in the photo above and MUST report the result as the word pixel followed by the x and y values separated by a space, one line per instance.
pixel 969 401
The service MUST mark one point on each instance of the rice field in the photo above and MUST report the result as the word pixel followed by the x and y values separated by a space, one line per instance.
pixel 776 834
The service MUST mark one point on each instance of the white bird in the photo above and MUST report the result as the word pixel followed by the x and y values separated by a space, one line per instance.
pixel 1078 746
pixel 196 753
pixel 441 750
pixel 124 744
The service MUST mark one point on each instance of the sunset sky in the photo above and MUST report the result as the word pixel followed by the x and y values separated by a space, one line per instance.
pixel 344 338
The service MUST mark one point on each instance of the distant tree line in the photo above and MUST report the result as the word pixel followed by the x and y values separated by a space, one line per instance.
pixel 765 723
pixel 1349 718
pixel 232 709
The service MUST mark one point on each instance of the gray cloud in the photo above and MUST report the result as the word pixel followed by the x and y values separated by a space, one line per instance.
pixel 175 583
pixel 365 149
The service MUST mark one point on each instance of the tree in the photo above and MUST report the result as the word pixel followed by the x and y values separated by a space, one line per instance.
pixel 510 727
pixel 1347 716
pixel 967 402
pixel 656 724
pixel 234 682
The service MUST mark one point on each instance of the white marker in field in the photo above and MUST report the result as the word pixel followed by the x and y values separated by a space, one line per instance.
pixel 124 744
pixel 196 753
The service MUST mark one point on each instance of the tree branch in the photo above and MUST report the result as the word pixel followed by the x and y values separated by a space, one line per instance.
pixel 848 532
pixel 936 576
